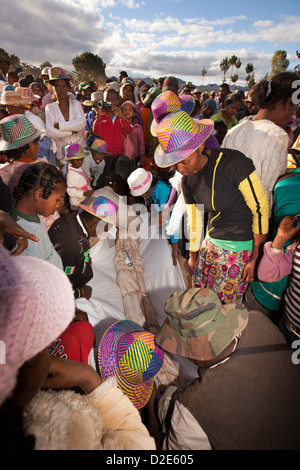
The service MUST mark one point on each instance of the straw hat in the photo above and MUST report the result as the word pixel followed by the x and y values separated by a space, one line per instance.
pixel 96 96
pixel 198 326
pixel 168 102
pixel 13 98
pixel 27 94
pixel 16 131
pixel 139 181
pixel 129 353
pixel 179 136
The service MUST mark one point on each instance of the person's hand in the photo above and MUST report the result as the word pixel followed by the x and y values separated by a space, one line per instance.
pixel 285 231
pixel 56 125
pixel 98 113
pixel 118 112
pixel 80 316
pixel 88 193
pixel 87 292
pixel 8 225
pixel 163 216
pixel 192 261
pixel 249 270
pixel 66 374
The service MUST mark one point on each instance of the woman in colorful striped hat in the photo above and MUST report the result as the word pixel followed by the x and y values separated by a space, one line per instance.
pixel 224 184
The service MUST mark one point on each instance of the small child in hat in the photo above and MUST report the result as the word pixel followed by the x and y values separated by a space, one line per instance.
pixel 78 182
pixel 94 162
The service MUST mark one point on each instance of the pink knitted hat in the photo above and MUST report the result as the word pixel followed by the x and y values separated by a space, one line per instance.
pixel 37 304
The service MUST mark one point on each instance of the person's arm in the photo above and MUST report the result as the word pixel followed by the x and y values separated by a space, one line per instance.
pixel 8 225
pixel 195 228
pixel 76 124
pixel 51 130
pixel 256 199
pixel 125 125
pixel 276 263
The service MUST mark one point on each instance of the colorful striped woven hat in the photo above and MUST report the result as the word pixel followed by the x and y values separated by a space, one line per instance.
pixel 179 136
pixel 16 131
pixel 168 102
pixel 129 353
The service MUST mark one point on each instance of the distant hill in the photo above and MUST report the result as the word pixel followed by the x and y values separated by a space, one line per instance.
pixel 211 87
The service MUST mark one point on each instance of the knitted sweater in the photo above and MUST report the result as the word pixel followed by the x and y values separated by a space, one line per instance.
pixel 266 145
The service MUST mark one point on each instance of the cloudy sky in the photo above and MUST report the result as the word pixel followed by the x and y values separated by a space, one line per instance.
pixel 153 38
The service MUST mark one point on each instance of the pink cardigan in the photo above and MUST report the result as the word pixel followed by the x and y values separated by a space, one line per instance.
pixel 134 143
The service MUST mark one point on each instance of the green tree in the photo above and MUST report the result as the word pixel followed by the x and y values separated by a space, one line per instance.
pixel 224 66
pixel 251 81
pixel 234 78
pixel 297 68
pixel 13 59
pixel 279 62
pixel 88 67
pixel 250 75
pixel 44 64
pixel 203 73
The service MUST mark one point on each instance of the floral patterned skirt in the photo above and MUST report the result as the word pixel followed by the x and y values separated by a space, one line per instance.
pixel 221 270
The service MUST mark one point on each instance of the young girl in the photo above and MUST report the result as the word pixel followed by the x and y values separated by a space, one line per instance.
pixel 78 182
pixel 40 191
pixel 134 142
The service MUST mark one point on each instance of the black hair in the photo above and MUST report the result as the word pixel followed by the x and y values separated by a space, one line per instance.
pixel 38 175
pixel 16 154
pixel 267 93
pixel 232 98
pixel 52 82
pixel 13 74
pixel 225 85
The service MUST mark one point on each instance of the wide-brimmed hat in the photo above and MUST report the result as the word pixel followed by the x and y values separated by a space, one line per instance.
pixel 57 73
pixel 27 94
pixel 45 71
pixel 74 152
pixel 179 136
pixel 139 181
pixel 196 90
pixel 198 326
pixel 99 145
pixel 106 205
pixel 112 86
pixel 151 95
pixel 13 98
pixel 95 96
pixel 168 102
pixel 129 353
pixel 16 131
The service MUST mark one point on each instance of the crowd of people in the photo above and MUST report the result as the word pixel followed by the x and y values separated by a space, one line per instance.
pixel 219 175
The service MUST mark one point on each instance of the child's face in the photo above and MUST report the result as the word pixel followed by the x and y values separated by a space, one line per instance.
pixel 76 163
pixel 97 156
pixel 55 201
pixel 128 111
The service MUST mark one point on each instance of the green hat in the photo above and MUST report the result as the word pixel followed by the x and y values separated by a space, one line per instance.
pixel 152 93
pixel 198 326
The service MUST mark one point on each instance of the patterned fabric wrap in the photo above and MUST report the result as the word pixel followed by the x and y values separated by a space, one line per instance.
pixel 198 326
pixel 221 270
pixel 16 131
pixel 129 353
pixel 179 136
pixel 167 103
